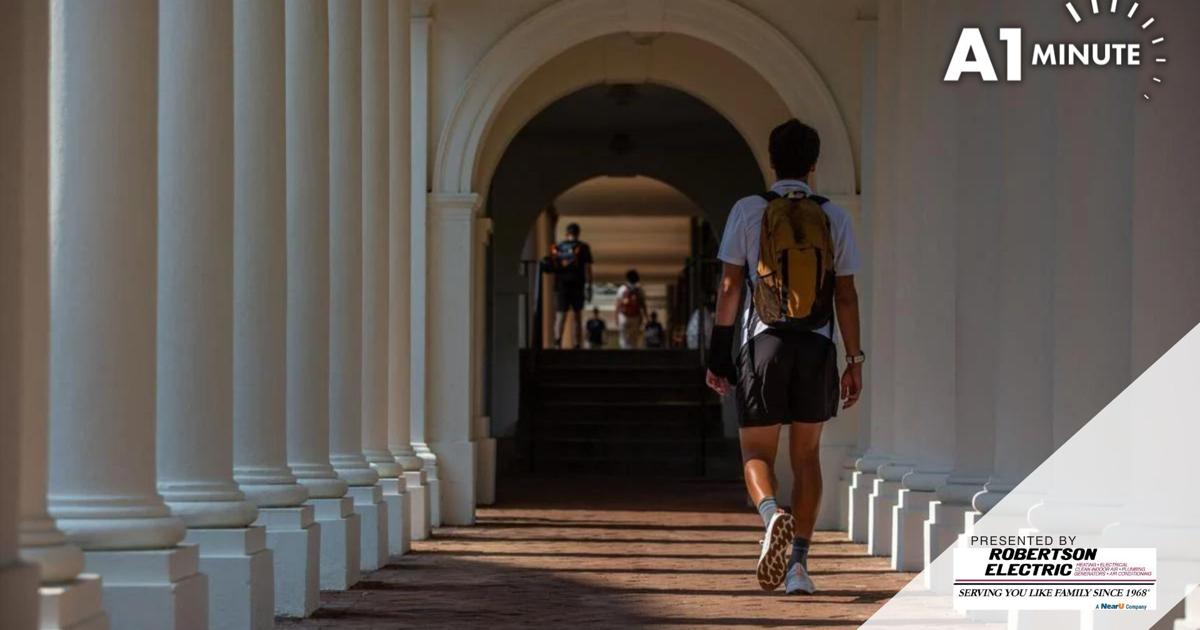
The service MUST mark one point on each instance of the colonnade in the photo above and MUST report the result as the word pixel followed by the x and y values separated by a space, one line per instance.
pixel 213 263
pixel 1007 305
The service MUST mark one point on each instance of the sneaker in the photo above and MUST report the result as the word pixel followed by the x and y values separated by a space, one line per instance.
pixel 772 561
pixel 798 581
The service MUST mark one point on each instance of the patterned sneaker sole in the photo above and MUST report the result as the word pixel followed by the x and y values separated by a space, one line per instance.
pixel 772 566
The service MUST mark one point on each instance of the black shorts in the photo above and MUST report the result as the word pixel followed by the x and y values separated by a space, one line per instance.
pixel 786 377
pixel 568 296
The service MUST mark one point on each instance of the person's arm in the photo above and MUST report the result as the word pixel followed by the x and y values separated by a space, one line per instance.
pixel 729 293
pixel 721 356
pixel 845 298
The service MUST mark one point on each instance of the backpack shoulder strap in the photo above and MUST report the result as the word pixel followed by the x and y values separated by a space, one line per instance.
pixel 819 199
pixel 769 196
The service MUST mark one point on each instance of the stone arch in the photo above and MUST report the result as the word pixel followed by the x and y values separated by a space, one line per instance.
pixel 565 24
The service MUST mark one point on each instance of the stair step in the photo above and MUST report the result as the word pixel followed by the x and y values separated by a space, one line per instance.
pixel 617 358
pixel 624 412
pixel 633 469
pixel 647 375
pixel 605 392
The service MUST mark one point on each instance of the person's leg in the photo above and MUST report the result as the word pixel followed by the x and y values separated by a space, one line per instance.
pixel 560 319
pixel 805 450
pixel 759 446
pixel 578 327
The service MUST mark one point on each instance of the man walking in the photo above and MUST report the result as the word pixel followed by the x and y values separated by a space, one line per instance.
pixel 797 256
pixel 571 261
pixel 631 310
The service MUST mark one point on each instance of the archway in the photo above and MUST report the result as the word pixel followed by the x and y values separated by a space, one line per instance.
pixel 563 25
pixel 490 112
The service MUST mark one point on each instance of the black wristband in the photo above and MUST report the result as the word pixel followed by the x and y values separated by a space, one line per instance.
pixel 720 353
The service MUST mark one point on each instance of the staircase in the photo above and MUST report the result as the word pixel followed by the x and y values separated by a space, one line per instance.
pixel 614 412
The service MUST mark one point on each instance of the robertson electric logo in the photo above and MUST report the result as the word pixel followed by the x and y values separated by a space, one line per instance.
pixel 971 54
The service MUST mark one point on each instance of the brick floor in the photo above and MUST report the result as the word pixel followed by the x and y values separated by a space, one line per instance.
pixel 607 553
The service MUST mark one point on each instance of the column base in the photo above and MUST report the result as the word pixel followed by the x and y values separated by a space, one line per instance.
pixel 845 476
pixel 942 529
pixel 1191 611
pixel 908 529
pixel 340 531
pixel 294 539
pixel 485 478
pixel 373 516
pixel 857 517
pixel 396 499
pixel 241 574
pixel 453 491
pixel 433 496
pixel 418 504
pixel 832 455
pixel 18 584
pixel 152 589
pixel 879 516
pixel 74 605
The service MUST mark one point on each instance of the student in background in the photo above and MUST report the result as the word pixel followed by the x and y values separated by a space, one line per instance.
pixel 631 310
pixel 571 263
pixel 654 334
pixel 595 330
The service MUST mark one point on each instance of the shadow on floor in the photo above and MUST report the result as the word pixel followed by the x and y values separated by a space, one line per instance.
pixel 561 554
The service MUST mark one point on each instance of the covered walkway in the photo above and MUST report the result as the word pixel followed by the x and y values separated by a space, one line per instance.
pixel 601 552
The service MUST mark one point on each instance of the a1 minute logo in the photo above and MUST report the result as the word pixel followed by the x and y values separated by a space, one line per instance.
pixel 971 54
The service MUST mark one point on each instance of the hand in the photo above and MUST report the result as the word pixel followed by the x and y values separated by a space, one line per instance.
pixel 717 383
pixel 851 385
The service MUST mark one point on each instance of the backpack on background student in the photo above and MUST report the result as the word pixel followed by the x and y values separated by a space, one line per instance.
pixel 795 276
pixel 568 258
pixel 630 304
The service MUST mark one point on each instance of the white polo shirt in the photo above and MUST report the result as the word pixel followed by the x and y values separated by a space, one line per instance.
pixel 739 245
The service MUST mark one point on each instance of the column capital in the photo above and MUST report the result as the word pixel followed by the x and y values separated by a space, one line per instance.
pixel 460 206
pixel 421 11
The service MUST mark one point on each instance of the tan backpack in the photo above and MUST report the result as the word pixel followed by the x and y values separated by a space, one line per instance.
pixel 794 288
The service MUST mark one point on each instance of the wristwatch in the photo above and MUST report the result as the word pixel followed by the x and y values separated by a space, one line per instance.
pixel 854 359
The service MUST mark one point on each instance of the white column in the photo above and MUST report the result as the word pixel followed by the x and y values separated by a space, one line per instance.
pixel 375 274
pixel 399 268
pixel 420 23
pixel 23 213
pixel 449 371
pixel 928 399
pixel 979 204
pixel 346 275
pixel 67 599
pixel 1166 295
pixel 868 522
pixel 307 140
pixel 260 307
pixel 1093 271
pixel 195 311
pixel 848 477
pixel 481 424
pixel 1024 390
pixel 102 339
pixel 903 23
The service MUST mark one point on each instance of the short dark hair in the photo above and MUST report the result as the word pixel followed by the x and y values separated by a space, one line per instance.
pixel 633 276
pixel 794 149
pixel 573 228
